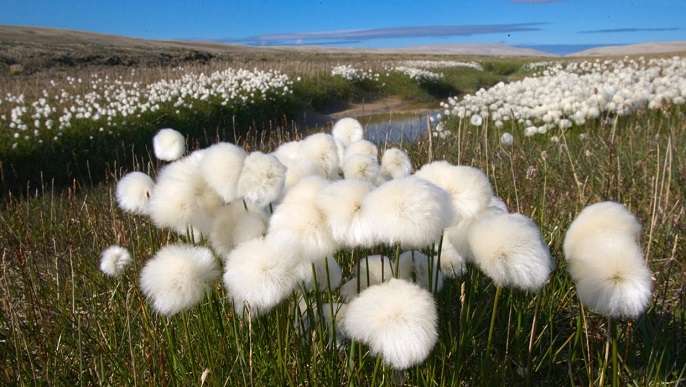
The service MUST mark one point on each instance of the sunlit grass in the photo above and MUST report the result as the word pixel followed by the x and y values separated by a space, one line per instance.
pixel 65 322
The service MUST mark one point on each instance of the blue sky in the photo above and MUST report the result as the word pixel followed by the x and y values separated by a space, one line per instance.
pixel 366 23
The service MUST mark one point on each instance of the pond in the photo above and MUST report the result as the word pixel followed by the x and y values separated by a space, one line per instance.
pixel 394 127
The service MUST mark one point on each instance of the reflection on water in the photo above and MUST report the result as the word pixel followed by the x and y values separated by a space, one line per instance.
pixel 394 127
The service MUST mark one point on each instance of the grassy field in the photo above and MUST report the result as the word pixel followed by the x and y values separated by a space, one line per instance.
pixel 65 323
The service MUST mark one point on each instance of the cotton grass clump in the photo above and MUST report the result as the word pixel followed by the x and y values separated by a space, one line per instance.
pixel 361 166
pixel 133 192
pixel 509 249
pixel 341 204
pixel 409 211
pixel 321 149
pixel 394 164
pixel 469 187
pixel 182 200
pixel 262 179
pixel 221 168
pixel 235 223
pixel 606 262
pixel 168 144
pixel 259 274
pixel 178 276
pixel 347 130
pixel 397 320
pixel 114 260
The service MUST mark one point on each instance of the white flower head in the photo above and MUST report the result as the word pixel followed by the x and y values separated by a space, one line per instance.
pixel 341 204
pixel 114 260
pixel 606 262
pixel 262 179
pixel 321 149
pixel 259 274
pixel 476 120
pixel 611 276
pixel 506 139
pixel 397 320
pixel 361 147
pixel 347 130
pixel 133 192
pixel 509 249
pixel 233 224
pixel 394 164
pixel 221 168
pixel 182 199
pixel 469 187
pixel 361 166
pixel 409 211
pixel 169 145
pixel 178 276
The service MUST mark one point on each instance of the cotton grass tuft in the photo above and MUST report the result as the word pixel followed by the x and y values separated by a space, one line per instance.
pixel 397 320
pixel 133 192
pixel 178 276
pixel 168 144
pixel 262 179
pixel 221 168
pixel 259 274
pixel 509 249
pixel 114 260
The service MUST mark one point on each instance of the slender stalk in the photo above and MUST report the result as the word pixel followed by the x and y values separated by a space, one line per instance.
pixel 493 313
pixel 397 262
pixel 607 352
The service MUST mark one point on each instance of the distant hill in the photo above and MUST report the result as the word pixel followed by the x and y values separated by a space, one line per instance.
pixel 634 49
pixel 39 48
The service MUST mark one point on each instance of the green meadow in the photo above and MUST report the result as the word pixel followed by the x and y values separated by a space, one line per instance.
pixel 65 323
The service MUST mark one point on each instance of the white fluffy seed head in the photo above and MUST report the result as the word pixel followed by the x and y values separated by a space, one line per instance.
pixel 303 227
pixel 321 148
pixel 469 187
pixel 114 260
pixel 182 199
pixel 604 218
pixel 341 204
pixel 360 166
pixel 233 224
pixel 394 164
pixel 611 276
pixel 221 168
pixel 371 270
pixel 259 275
pixel 509 249
pixel 178 276
pixel 397 320
pixel 361 147
pixel 168 144
pixel 262 179
pixel 453 264
pixel 347 130
pixel 133 192
pixel 409 211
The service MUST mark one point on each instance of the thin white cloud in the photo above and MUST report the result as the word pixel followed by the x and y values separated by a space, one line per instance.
pixel 331 37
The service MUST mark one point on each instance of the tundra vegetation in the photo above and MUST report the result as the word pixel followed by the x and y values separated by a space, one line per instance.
pixel 533 236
